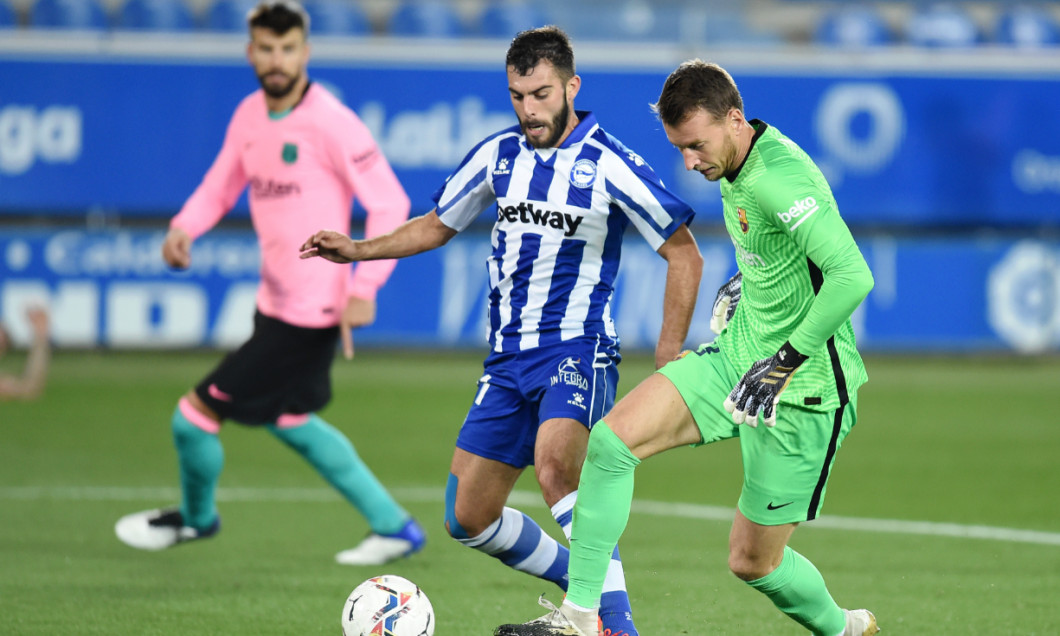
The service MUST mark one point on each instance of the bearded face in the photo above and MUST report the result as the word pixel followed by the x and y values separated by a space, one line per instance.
pixel 543 102
pixel 279 61
pixel 546 134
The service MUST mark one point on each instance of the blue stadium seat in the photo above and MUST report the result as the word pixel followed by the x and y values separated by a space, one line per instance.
pixel 943 26
pixel 693 23
pixel 618 21
pixel 730 27
pixel 1027 27
pixel 8 18
pixel 337 17
pixel 229 15
pixel 503 19
pixel 156 15
pixel 68 14
pixel 426 18
pixel 852 26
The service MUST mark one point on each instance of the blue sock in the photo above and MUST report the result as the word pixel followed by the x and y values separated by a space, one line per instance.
pixel 201 459
pixel 615 611
pixel 517 541
pixel 333 456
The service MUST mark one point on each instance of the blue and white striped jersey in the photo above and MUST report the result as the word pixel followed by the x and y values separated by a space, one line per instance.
pixel 561 213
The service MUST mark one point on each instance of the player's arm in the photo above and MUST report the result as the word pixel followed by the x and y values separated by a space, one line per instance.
pixel 412 237
pixel 210 201
pixel 465 194
pixel 841 280
pixel 662 218
pixel 358 158
pixel 684 267
pixel 31 384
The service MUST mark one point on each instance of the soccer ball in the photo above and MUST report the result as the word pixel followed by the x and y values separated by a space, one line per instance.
pixel 387 605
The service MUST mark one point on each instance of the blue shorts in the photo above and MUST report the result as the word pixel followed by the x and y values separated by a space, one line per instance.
pixel 518 391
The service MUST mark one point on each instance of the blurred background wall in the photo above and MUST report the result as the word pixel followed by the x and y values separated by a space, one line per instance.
pixel 937 124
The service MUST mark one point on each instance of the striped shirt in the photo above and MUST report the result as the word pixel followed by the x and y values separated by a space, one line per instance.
pixel 560 216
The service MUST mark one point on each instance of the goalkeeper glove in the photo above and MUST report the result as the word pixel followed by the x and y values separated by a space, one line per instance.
pixel 759 389
pixel 725 303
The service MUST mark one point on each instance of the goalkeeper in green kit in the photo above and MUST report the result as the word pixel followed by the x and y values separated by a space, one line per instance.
pixel 782 375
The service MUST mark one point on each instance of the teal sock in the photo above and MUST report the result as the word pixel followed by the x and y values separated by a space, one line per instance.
pixel 201 459
pixel 798 590
pixel 333 456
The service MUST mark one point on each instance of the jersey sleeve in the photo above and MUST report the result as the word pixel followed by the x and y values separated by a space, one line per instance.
pixel 655 211
pixel 469 190
pixel 362 165
pixel 219 190
pixel 805 208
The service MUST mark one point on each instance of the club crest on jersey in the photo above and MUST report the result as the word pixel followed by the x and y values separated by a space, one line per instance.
pixel 289 153
pixel 743 220
pixel 568 374
pixel 502 166
pixel 583 173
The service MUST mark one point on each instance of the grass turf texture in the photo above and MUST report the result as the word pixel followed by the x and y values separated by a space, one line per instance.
pixel 956 440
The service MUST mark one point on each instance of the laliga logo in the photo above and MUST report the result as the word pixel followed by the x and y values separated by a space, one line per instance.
pixel 53 134
pixel 1023 297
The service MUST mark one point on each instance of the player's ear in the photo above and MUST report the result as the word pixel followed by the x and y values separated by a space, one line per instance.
pixel 573 85
pixel 735 117
pixel 250 51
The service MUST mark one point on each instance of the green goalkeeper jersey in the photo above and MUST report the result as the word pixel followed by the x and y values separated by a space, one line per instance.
pixel 803 274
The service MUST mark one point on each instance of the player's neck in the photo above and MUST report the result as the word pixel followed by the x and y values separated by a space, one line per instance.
pixel 284 104
pixel 744 140
pixel 572 123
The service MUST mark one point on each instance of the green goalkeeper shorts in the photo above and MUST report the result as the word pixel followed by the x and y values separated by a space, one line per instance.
pixel 785 468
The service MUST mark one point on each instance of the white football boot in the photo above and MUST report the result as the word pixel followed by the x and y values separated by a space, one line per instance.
pixel 377 549
pixel 860 622
pixel 159 529
pixel 560 621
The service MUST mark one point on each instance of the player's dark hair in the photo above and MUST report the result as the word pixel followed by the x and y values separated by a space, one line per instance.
pixel 278 16
pixel 549 43
pixel 693 85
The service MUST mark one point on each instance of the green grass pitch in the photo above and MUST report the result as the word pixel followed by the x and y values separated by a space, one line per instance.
pixel 958 443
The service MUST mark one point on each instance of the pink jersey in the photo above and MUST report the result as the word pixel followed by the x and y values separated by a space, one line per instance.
pixel 304 171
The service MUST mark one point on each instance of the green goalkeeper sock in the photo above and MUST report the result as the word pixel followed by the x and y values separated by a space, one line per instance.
pixel 798 590
pixel 601 512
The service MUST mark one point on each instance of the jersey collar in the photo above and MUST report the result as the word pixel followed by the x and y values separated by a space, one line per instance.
pixel 586 122
pixel 760 128
pixel 278 116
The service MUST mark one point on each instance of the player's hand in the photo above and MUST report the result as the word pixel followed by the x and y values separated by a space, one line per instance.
pixel 176 249
pixel 759 389
pixel 331 245
pixel 359 312
pixel 38 319
pixel 725 303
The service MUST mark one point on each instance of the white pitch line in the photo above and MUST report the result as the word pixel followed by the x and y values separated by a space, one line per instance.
pixel 524 498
